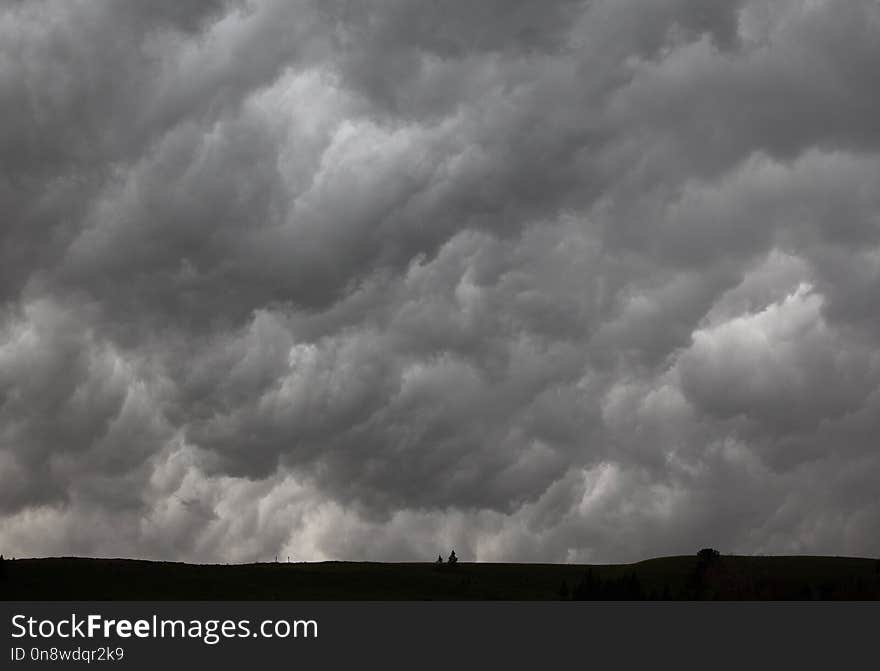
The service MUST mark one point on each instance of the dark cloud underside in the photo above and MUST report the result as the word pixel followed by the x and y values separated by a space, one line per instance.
pixel 552 281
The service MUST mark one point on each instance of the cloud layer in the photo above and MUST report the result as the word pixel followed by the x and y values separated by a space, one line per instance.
pixel 557 281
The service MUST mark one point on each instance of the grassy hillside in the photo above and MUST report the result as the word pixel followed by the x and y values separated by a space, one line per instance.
pixel 687 577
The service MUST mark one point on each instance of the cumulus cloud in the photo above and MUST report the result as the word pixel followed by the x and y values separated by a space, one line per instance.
pixel 559 281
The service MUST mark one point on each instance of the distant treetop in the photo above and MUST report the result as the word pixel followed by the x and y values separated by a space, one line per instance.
pixel 708 554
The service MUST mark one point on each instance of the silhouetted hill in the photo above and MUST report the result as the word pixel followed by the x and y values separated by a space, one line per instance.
pixel 686 577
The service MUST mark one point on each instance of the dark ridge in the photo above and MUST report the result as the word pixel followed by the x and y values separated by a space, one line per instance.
pixel 695 577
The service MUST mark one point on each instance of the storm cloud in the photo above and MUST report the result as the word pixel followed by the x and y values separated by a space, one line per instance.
pixel 558 281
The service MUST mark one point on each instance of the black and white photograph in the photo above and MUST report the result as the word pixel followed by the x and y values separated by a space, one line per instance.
pixel 435 300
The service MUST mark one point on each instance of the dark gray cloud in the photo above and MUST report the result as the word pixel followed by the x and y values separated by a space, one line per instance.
pixel 553 281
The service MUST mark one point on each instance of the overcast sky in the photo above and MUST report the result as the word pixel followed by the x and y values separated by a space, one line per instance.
pixel 533 280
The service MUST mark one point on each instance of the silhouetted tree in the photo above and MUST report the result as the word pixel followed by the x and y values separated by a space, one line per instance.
pixel 452 558
pixel 708 555
pixel 588 589
pixel 698 584
pixel 563 591
pixel 693 589
pixel 633 588
pixel 439 559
